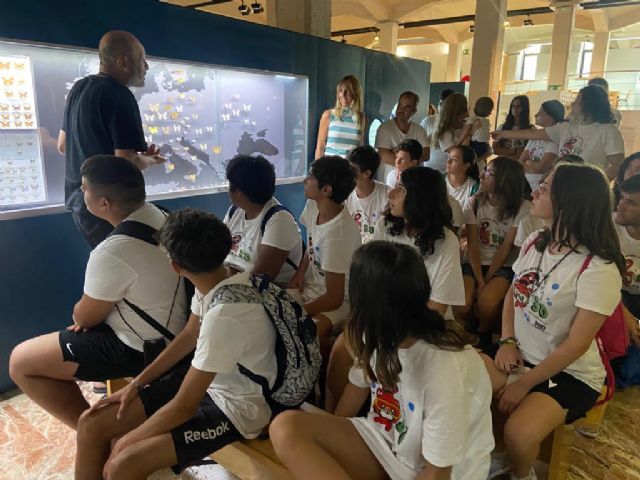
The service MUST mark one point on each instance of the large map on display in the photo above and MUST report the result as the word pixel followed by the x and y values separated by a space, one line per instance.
pixel 198 116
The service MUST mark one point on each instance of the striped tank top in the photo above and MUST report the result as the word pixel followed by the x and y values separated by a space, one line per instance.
pixel 343 134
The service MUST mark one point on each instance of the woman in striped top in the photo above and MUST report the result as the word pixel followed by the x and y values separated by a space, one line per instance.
pixel 342 127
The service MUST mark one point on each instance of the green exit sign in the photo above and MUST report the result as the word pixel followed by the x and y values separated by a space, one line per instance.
pixel 466 51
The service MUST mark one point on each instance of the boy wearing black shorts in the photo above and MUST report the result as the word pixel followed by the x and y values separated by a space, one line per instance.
pixel 173 414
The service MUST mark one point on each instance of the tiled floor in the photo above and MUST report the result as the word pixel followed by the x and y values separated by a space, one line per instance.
pixel 34 446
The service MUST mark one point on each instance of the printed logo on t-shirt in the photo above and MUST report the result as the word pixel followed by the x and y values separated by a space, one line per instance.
pixel 631 277
pixel 365 224
pixel 572 146
pixel 490 233
pixel 387 411
pixel 237 248
pixel 535 309
pixel 314 254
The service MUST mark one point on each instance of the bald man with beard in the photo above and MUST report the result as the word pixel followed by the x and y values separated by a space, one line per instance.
pixel 102 117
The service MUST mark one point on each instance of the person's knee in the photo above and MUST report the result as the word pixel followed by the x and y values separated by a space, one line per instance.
pixel 488 303
pixel 21 362
pixel 95 426
pixel 122 466
pixel 284 428
pixel 519 435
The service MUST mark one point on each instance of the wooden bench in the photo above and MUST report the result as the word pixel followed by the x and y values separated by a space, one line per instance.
pixel 256 459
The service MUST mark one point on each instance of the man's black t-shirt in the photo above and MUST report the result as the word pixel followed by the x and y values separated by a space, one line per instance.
pixel 101 116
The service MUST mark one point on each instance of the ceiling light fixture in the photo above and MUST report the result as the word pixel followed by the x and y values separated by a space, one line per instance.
pixel 377 38
pixel 244 9
pixel 344 40
pixel 256 7
pixel 472 28
pixel 528 22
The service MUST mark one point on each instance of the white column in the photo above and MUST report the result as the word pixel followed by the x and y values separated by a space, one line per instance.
pixel 388 37
pixel 563 23
pixel 488 42
pixel 312 17
pixel 453 62
pixel 600 54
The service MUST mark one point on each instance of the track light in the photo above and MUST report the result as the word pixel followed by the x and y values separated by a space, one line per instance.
pixel 377 38
pixel 472 28
pixel 244 9
pixel 256 7
pixel 344 40
pixel 528 22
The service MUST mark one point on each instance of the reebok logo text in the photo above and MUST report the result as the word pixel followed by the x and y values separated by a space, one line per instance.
pixel 191 436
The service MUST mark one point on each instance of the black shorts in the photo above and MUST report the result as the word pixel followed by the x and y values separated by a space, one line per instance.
pixel 631 302
pixel 572 394
pixel 504 272
pixel 100 354
pixel 208 431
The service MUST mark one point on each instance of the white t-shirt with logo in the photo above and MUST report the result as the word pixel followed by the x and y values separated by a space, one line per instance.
pixel 123 267
pixel 492 232
pixel 232 334
pixel 544 316
pixel 390 136
pixel 440 413
pixel 392 178
pixel 443 265
pixel 438 155
pixel 482 134
pixel 281 232
pixel 593 142
pixel 330 247
pixel 630 248
pixel 464 191
pixel 366 211
pixel 537 149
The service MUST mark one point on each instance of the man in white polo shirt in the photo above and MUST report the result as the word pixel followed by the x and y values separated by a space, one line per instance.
pixel 107 337
pixel 393 132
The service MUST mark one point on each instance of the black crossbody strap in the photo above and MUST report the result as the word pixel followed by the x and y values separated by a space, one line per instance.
pixel 150 320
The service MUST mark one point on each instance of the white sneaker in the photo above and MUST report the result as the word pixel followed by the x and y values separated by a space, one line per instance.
pixel 531 476
pixel 499 465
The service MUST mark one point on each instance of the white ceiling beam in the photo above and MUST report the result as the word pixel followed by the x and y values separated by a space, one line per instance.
pixel 600 20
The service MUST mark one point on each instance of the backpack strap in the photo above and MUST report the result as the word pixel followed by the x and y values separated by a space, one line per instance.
pixel 150 320
pixel 138 230
pixel 231 212
pixel 263 226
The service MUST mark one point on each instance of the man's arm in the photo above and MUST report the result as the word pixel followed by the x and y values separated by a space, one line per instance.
pixel 62 138
pixel 387 156
pixel 142 161
pixel 89 312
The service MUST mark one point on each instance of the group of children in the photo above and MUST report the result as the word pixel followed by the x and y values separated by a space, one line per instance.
pixel 380 272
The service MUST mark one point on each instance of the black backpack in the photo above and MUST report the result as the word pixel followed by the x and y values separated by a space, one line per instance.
pixel 263 225
pixel 297 347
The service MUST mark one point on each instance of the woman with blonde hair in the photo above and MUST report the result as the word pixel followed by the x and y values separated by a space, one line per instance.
pixel 342 127
pixel 450 124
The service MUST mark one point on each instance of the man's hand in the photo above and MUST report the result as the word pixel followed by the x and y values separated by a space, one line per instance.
pixel 76 328
pixel 153 155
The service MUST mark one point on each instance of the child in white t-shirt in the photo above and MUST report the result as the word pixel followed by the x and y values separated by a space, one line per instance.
pixel 548 369
pixel 478 127
pixel 332 237
pixel 492 219
pixel 430 393
pixel 407 156
pixel 266 237
pixel 368 199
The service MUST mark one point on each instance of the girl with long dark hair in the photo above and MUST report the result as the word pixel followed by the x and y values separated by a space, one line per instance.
pixel 589 133
pixel 492 217
pixel 463 177
pixel 547 370
pixel 517 119
pixel 430 393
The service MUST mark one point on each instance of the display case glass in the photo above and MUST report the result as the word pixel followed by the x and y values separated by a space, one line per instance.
pixel 198 115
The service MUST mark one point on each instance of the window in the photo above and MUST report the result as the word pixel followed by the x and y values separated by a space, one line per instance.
pixel 586 54
pixel 528 62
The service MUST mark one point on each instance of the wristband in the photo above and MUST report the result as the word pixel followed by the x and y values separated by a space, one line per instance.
pixel 508 341
pixel 136 384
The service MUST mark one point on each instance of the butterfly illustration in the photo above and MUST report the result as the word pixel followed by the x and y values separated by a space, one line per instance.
pixel 246 108
pixel 199 131
pixel 209 129
pixel 236 97
pixel 154 107
pixel 4 107
pixel 177 128
pixel 253 123
pixel 5 65
pixel 28 124
pixel 23 94
pixel 226 117
pixel 148 139
pixel 153 129
pixel 179 80
pixel 216 150
pixel 18 144
pixel 16 107
pixel 162 116
pixel 18 66
pixel 149 118
pixel 182 96
pixel 5 116
pixel 236 113
pixel 19 152
pixel 246 121
pixel 170 99
pixel 203 146
pixel 227 106
pixel 194 116
pixel 174 115
pixel 27 116
pixel 17 114
pixel 8 94
pixel 166 130
pixel 168 107
pixel 29 142
pixel 20 81
pixel 8 81
pixel 179 108
pixel 192 98
pixel 26 107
